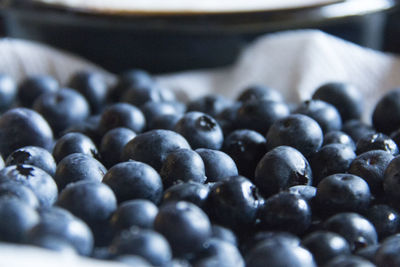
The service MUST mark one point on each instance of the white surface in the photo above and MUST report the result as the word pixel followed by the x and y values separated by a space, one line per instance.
pixel 294 62
pixel 209 6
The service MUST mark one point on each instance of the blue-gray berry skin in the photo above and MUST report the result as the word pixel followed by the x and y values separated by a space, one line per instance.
pixel 342 192
pixel 218 165
pixel 281 168
pixel 153 147
pixel 21 127
pixel 371 167
pixel 33 155
pixel 40 182
pixel 355 228
pixel 200 130
pixel 298 131
pixel 185 226
pixel 134 180
pixel 345 97
pixel 274 254
pixel 322 112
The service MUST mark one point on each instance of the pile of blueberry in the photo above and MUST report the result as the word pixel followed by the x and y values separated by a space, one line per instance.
pixel 129 173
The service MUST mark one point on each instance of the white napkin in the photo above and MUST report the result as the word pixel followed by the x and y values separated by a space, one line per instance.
pixel 294 62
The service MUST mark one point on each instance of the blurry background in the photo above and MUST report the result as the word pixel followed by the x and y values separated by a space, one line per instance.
pixel 171 42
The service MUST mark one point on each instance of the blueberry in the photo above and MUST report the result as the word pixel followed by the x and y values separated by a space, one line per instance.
pixel 234 203
pixel 385 219
pixel 281 168
pixel 349 260
pixel 152 110
pixel 246 147
pixel 148 244
pixel 331 159
pixel 193 192
pixel 8 92
pixel 130 78
pixel 277 254
pixel 345 97
pixel 298 131
pixel 200 130
pixel 71 143
pixel 94 203
pixel 227 118
pixel 325 246
pixel 76 167
pixel 137 212
pixel 34 86
pixel 376 141
pixel 357 129
pixel 142 93
pixel 92 86
pixel 356 229
pixel 113 143
pixel 342 192
pixel 339 137
pixel 166 122
pixel 258 91
pixel 253 240
pixel 260 114
pixel 62 108
pixel 152 147
pixel 391 185
pixel 285 212
pixel 33 155
pixel 53 243
pixel 368 252
pixel 322 112
pixel 223 233
pixel 183 165
pixel 389 252
pixel 385 116
pixel 209 104
pixel 221 251
pixel 371 167
pixel 12 189
pixel 62 225
pixel 21 127
pixel 89 127
pixel 185 226
pixel 17 218
pixel 122 115
pixel 41 183
pixel 218 165
pixel 134 180
pixel 307 192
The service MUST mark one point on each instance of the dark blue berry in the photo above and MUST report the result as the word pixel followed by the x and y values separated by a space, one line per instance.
pixel 134 180
pixel 193 192
pixel 76 167
pixel 152 147
pixel 185 226
pixel 200 130
pixel 33 155
pixel 298 131
pixel 34 86
pixel 218 165
pixel 71 143
pixel 8 92
pixel 246 148
pixel 62 108
pixel 258 91
pixel 21 127
pixel 345 97
pixel 376 141
pixel 122 115
pixel 281 168
pixel 285 212
pixel 183 165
